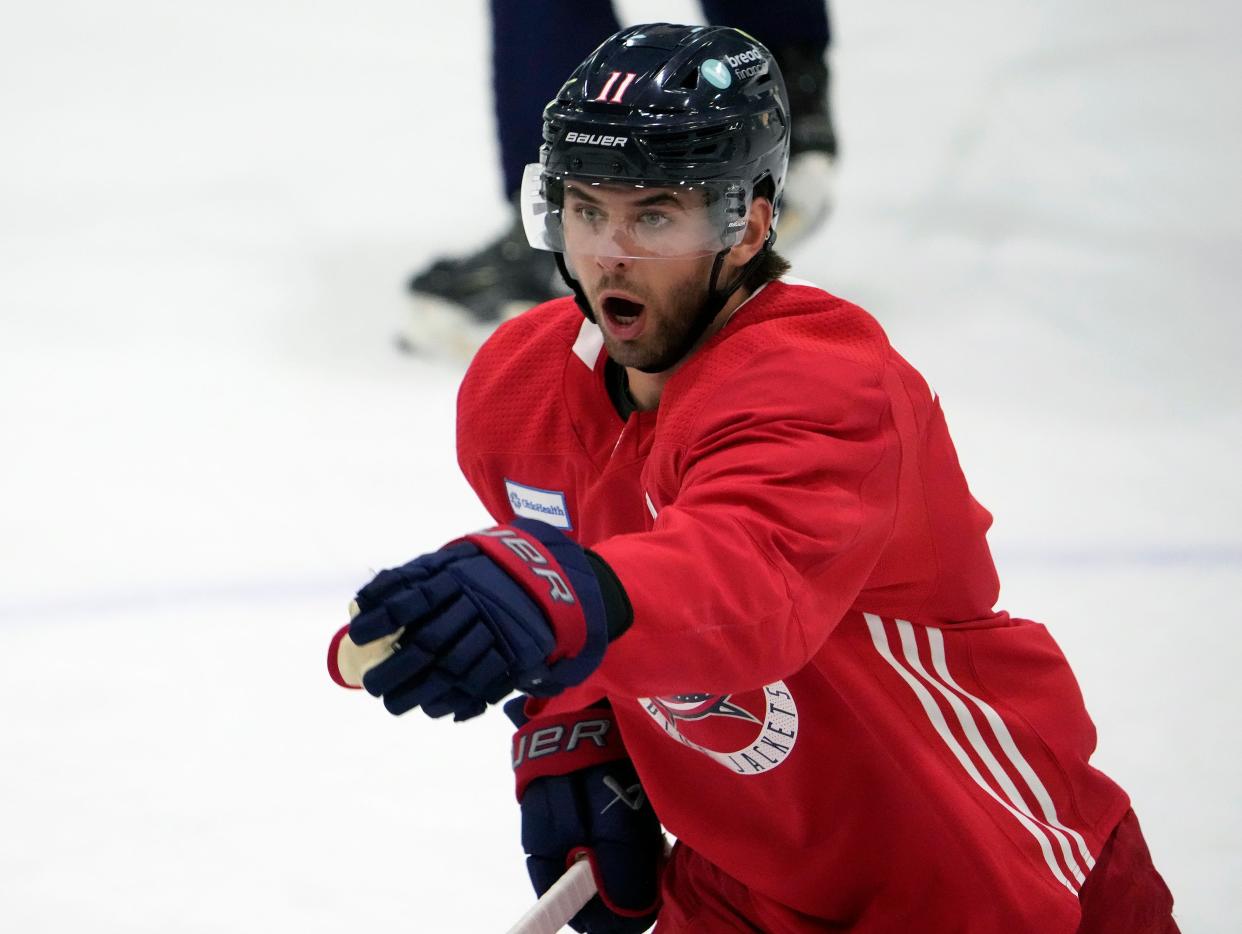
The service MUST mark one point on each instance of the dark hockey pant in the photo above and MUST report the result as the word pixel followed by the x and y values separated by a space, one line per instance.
pixel 1123 894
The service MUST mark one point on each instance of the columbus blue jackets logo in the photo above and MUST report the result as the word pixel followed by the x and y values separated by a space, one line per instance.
pixel 698 706
pixel 748 733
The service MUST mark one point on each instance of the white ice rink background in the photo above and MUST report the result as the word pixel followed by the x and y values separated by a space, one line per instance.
pixel 207 212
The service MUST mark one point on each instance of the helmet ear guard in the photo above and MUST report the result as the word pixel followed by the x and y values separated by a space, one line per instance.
pixel 733 210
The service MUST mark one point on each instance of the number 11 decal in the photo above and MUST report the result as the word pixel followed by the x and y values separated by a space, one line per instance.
pixel 612 79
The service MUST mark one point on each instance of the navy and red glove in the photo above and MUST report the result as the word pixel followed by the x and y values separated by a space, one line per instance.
pixel 517 606
pixel 580 795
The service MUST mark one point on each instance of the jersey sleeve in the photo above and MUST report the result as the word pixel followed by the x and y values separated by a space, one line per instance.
pixel 785 493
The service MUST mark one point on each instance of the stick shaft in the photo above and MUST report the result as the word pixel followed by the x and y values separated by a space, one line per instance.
pixel 558 904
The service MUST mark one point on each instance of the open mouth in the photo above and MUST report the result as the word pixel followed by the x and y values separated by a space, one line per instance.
pixel 623 315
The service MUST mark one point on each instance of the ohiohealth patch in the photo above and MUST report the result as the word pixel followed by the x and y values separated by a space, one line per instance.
pixel 533 503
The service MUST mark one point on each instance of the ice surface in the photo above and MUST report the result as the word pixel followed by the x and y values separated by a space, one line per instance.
pixel 206 214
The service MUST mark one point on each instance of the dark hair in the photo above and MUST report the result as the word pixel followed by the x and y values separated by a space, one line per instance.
pixel 770 266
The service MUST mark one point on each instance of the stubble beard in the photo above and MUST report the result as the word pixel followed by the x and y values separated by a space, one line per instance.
pixel 661 344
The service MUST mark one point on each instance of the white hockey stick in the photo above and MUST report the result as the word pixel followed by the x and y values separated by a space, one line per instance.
pixel 558 904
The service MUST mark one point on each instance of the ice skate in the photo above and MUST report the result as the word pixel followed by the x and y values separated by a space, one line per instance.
pixel 810 184
pixel 458 302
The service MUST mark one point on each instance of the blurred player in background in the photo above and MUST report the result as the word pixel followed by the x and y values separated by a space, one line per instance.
pixel 739 573
pixel 458 302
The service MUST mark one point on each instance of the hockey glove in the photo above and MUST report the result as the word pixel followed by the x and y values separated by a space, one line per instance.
pixel 580 795
pixel 517 606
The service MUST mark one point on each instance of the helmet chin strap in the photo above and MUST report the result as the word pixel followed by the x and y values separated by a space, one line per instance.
pixel 716 299
pixel 575 286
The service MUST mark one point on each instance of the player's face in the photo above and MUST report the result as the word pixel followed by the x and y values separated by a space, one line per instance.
pixel 639 257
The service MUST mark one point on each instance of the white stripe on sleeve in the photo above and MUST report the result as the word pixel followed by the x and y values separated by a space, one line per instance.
pixel 880 640
pixel 971 729
pixel 936 638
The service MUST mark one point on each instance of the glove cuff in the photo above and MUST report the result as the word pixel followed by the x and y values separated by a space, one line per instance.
pixel 618 610
pixel 564 743
pixel 579 852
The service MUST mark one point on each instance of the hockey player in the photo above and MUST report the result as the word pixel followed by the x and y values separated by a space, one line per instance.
pixel 457 302
pixel 738 572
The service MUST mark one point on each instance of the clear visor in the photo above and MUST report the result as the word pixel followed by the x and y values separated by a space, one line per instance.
pixel 582 215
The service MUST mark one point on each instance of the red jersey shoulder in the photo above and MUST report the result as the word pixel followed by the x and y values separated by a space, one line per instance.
pixel 510 396
pixel 792 350
pixel 538 338
pixel 811 316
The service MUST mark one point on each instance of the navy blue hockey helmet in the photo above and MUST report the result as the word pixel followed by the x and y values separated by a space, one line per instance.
pixel 699 109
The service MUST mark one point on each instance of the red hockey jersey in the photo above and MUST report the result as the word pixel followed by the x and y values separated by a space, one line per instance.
pixel 816 691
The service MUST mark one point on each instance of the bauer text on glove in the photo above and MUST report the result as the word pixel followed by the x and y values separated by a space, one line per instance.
pixel 519 606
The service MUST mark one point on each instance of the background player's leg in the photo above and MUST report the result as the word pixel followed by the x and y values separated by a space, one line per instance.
pixel 786 23
pixel 799 34
pixel 535 45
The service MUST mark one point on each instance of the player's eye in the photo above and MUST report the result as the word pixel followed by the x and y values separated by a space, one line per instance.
pixel 588 213
pixel 653 220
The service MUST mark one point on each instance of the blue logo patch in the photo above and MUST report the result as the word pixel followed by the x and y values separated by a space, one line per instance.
pixel 717 73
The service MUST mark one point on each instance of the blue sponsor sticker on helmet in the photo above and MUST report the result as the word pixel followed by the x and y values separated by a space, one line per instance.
pixel 717 73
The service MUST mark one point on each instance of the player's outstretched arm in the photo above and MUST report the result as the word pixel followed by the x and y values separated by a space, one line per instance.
pixel 580 797
pixel 518 606
pixel 782 500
